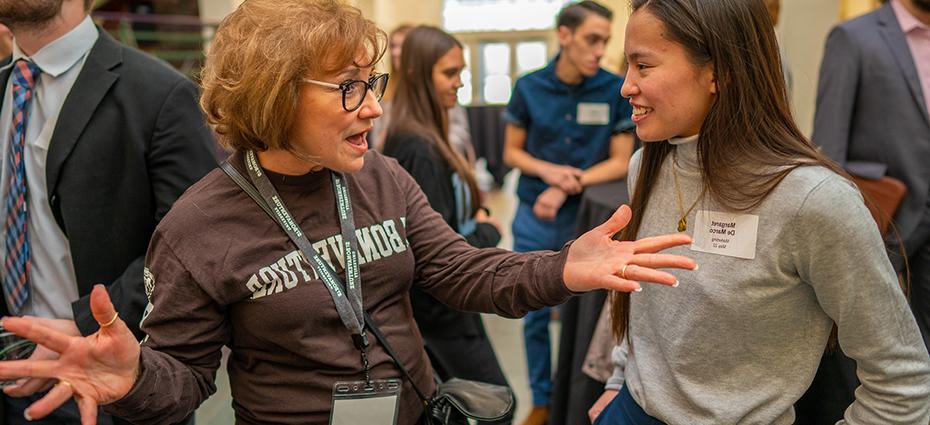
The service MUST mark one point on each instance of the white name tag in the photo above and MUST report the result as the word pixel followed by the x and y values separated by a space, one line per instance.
pixel 357 403
pixel 733 235
pixel 593 113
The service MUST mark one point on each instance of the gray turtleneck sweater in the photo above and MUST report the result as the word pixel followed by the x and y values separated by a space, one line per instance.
pixel 739 341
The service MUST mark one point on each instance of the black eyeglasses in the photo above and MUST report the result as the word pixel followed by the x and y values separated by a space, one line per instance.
pixel 354 91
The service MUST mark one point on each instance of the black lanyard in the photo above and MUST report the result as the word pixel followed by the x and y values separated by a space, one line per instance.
pixel 347 295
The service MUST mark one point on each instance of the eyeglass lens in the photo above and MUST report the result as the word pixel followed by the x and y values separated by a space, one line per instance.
pixel 355 92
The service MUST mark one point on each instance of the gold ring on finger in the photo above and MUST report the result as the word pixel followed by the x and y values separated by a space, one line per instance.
pixel 113 320
pixel 623 271
pixel 66 384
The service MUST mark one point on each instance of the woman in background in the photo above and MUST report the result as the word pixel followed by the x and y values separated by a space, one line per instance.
pixel 428 79
pixel 379 130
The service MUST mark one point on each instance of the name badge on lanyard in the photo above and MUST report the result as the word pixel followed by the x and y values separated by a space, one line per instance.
pixel 733 235
pixel 370 402
pixel 361 402
pixel 593 113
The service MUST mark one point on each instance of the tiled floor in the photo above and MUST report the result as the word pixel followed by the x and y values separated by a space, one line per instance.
pixel 506 334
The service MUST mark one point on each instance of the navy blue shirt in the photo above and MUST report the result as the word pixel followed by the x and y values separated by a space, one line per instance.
pixel 566 124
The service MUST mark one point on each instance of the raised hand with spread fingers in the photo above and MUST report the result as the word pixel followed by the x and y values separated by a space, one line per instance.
pixel 596 260
pixel 97 369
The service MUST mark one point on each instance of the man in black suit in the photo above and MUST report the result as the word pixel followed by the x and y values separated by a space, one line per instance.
pixel 98 140
pixel 873 118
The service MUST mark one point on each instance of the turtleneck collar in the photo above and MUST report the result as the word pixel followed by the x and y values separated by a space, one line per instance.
pixel 686 152
pixel 284 183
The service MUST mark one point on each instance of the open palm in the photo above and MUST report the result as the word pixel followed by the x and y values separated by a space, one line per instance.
pixel 98 369
pixel 596 260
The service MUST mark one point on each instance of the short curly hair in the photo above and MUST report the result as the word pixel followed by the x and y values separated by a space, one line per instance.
pixel 259 56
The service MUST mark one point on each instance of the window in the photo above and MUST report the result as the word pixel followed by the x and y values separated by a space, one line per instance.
pixel 503 40
pixel 495 72
pixel 530 55
pixel 499 15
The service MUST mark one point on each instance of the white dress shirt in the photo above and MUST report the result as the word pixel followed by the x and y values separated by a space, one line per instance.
pixel 52 284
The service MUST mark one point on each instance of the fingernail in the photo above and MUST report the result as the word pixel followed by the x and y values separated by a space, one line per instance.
pixel 676 284
pixel 26 415
pixel 638 289
pixel 696 266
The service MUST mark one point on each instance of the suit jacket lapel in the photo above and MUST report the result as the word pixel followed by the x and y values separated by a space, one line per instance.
pixel 91 86
pixel 890 29
pixel 5 75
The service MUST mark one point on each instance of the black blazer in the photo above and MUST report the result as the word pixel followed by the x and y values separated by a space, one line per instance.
pixel 129 140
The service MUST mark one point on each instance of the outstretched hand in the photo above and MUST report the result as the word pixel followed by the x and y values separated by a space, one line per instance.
pixel 596 260
pixel 28 386
pixel 98 369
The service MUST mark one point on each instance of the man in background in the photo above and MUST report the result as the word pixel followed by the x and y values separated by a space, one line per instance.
pixel 873 117
pixel 564 131
pixel 98 140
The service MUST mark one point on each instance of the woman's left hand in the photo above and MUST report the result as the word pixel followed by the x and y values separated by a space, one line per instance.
pixel 596 260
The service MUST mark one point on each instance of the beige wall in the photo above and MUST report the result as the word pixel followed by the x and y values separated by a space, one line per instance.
pixel 215 10
pixel 391 13
pixel 803 29
pixel 614 54
pixel 853 8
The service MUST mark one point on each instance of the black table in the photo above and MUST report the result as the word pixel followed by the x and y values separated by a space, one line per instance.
pixel 573 392
pixel 486 124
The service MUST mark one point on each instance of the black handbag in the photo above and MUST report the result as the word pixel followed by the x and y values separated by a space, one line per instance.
pixel 456 399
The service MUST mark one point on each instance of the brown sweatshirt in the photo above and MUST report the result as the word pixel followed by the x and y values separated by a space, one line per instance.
pixel 221 272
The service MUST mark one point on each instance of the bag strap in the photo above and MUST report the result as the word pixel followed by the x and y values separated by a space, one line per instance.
pixel 240 180
pixel 387 347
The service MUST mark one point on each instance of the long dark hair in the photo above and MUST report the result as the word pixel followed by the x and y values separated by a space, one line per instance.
pixel 748 141
pixel 416 108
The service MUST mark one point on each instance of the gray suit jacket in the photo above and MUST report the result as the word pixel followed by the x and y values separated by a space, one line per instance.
pixel 871 114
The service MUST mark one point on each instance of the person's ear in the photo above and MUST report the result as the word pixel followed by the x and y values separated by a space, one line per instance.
pixel 709 77
pixel 565 35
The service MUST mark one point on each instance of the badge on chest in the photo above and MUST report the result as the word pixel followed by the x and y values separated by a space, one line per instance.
pixel 733 235
pixel 593 113
pixel 356 402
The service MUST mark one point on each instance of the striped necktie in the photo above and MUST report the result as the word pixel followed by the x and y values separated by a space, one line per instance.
pixel 16 265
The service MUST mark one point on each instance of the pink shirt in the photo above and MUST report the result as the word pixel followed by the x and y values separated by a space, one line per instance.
pixel 918 39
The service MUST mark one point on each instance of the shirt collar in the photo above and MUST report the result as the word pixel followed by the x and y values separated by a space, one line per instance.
pixel 907 21
pixel 682 140
pixel 62 54
pixel 686 152
pixel 550 69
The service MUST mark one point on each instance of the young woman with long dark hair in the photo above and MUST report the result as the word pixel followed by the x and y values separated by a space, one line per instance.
pixel 428 80
pixel 786 245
